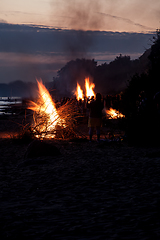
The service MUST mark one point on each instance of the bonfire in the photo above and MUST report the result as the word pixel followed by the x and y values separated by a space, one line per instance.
pixel 79 93
pixel 89 88
pixel 89 92
pixel 49 121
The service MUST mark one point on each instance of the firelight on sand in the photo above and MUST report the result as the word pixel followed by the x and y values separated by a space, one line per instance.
pixel 48 117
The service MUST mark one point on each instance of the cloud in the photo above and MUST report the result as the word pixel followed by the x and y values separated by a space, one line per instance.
pixel 36 39
pixel 124 15
pixel 128 21
pixel 28 51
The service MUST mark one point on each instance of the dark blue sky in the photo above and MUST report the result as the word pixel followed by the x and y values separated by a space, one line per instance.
pixel 28 52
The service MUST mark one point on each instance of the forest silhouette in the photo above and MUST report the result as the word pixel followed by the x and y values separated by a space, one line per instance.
pixel 109 78
pixel 141 100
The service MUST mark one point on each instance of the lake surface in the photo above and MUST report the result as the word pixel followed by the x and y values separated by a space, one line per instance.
pixel 6 104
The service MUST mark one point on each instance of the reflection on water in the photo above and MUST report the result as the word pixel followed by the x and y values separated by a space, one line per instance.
pixel 7 103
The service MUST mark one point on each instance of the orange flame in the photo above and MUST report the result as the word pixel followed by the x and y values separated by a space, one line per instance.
pixel 89 88
pixel 114 114
pixel 79 93
pixel 46 107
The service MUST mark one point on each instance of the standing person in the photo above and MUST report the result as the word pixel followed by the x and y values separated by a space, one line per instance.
pixel 95 116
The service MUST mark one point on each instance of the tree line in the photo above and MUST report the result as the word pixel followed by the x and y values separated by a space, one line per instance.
pixel 109 78
pixel 141 100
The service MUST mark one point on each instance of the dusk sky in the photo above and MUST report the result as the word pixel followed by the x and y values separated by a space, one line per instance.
pixel 38 37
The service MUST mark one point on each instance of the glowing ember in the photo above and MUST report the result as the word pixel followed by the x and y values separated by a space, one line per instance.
pixel 114 114
pixel 48 117
pixel 79 93
pixel 89 88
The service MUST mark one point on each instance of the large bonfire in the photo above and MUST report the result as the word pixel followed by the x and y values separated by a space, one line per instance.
pixel 50 121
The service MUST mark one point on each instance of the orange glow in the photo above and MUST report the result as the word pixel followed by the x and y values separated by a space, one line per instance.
pixel 89 88
pixel 114 114
pixel 46 107
pixel 79 93
pixel 8 134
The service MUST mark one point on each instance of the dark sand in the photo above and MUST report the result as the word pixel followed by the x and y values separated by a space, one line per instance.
pixel 91 191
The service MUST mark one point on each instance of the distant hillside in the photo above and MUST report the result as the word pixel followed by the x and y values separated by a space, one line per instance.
pixel 18 88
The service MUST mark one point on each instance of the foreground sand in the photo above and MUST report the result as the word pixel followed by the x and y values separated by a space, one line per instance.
pixel 102 191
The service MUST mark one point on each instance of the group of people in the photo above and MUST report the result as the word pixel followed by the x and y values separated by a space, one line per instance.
pixel 95 107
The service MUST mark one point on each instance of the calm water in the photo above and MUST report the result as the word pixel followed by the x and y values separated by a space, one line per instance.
pixel 7 102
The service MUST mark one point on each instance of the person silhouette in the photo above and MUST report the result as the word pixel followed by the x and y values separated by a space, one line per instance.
pixel 95 116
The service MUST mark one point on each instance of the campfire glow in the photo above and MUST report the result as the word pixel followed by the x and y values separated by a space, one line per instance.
pixel 48 117
pixel 114 114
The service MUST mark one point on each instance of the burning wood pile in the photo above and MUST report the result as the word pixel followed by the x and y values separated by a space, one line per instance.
pixel 50 122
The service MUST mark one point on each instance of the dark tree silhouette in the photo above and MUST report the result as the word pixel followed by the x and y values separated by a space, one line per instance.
pixel 154 73
pixel 144 123
pixel 108 78
pixel 155 52
pixel 111 78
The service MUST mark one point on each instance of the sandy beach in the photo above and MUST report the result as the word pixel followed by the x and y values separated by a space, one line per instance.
pixel 106 190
